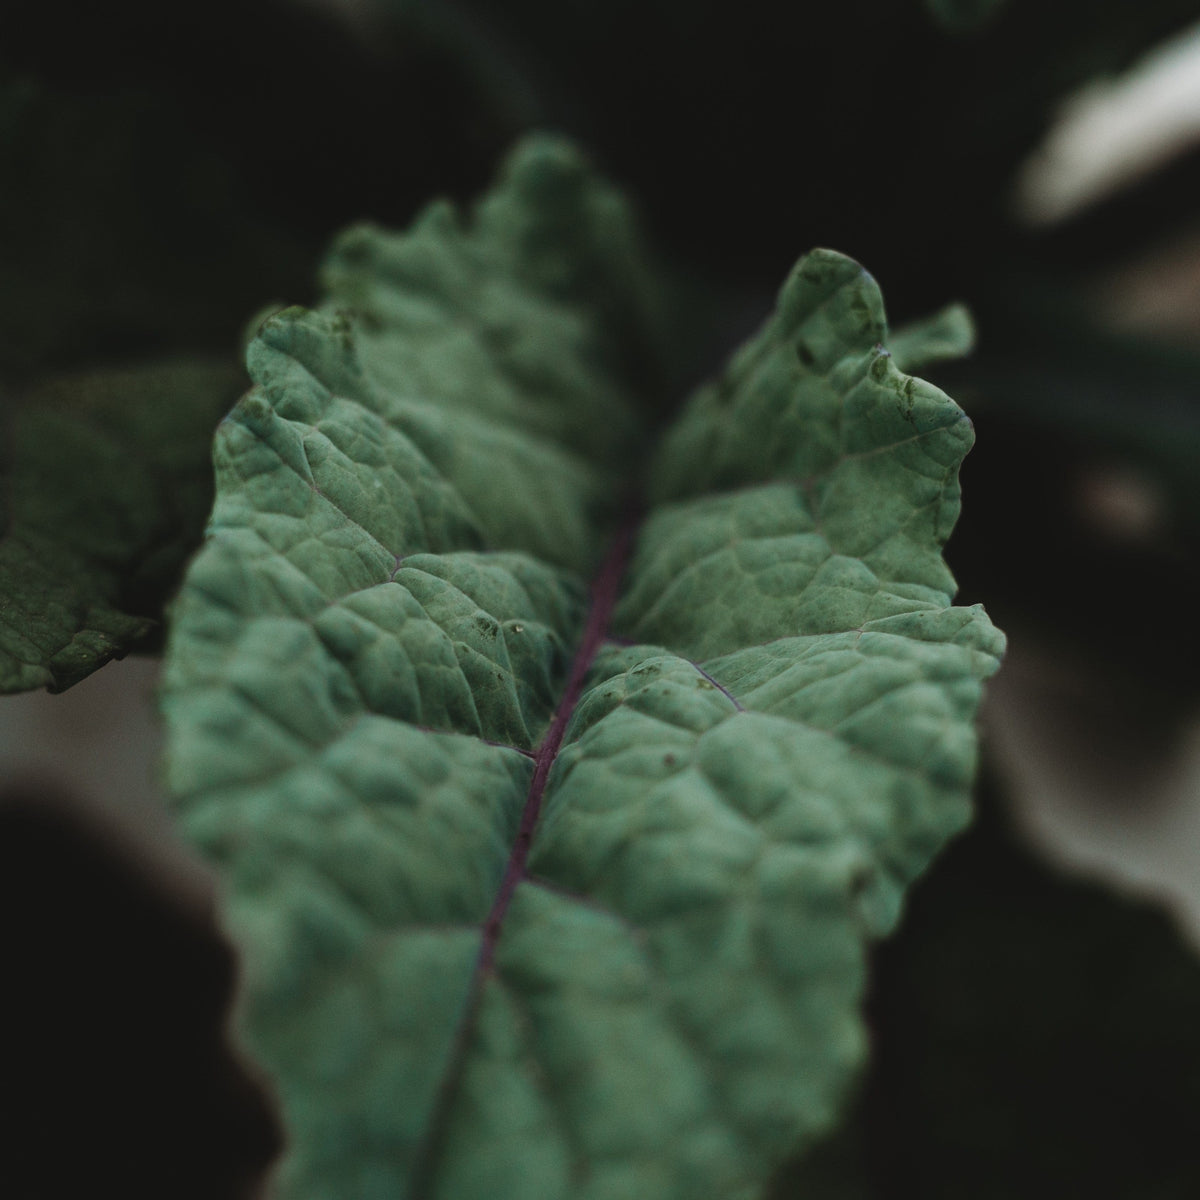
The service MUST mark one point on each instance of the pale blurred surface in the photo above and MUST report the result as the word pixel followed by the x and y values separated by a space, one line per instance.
pixel 1097 785
pixel 1114 132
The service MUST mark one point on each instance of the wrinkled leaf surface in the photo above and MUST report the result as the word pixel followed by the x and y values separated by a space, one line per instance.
pixel 545 893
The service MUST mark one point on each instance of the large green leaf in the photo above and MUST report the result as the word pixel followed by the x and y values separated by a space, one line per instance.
pixel 541 897
pixel 105 485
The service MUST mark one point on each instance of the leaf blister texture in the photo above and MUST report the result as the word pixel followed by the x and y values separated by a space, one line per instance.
pixel 481 962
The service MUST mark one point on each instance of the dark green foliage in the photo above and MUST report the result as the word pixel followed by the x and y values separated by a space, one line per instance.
pixel 107 483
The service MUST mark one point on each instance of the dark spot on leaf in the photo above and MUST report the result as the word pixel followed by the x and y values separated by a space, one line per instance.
pixel 254 411
pixel 860 881
pixel 804 354
pixel 669 760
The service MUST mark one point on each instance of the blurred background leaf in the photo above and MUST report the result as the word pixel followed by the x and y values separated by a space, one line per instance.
pixel 108 483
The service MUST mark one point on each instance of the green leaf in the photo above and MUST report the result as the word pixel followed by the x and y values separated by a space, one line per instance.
pixel 538 896
pixel 106 483
pixel 944 335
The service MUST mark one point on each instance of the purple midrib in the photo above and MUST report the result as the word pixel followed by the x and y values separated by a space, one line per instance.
pixel 605 588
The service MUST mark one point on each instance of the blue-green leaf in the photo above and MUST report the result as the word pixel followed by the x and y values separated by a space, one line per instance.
pixel 543 891
pixel 941 337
